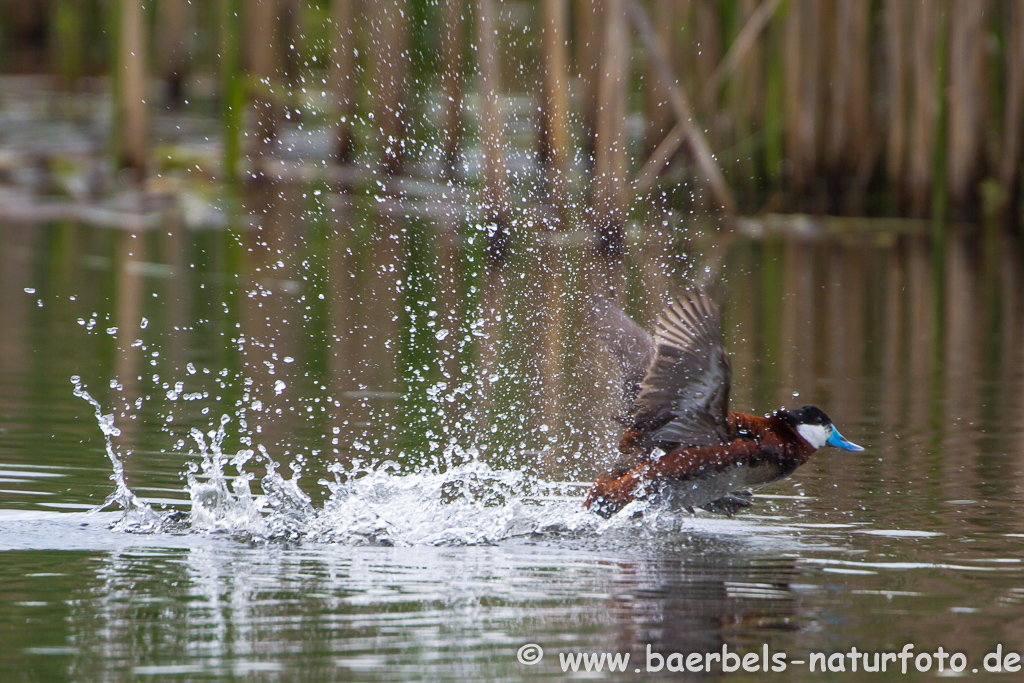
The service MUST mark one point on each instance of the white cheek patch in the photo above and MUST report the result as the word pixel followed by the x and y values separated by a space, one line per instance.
pixel 816 435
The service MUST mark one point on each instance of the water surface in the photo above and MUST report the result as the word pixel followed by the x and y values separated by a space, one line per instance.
pixel 416 433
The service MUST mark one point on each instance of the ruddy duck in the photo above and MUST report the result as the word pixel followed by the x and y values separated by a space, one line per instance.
pixel 681 441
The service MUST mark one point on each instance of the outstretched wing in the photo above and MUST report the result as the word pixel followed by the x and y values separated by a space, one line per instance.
pixel 684 395
pixel 631 345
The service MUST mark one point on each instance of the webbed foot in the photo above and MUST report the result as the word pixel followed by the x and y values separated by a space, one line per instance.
pixel 602 506
pixel 732 503
pixel 610 493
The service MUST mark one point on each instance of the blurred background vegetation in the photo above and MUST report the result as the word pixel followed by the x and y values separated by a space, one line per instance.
pixel 590 109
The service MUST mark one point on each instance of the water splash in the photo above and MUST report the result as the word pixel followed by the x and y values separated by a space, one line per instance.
pixel 138 516
pixel 217 503
pixel 457 499
pixel 467 503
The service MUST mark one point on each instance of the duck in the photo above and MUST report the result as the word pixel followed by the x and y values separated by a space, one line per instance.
pixel 680 440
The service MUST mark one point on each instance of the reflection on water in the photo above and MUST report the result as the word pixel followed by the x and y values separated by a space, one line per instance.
pixel 201 606
pixel 356 332
pixel 384 613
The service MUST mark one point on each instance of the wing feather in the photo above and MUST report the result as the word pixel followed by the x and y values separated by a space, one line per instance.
pixel 684 395
pixel 631 345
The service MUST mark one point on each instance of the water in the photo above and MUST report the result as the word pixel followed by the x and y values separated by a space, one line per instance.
pixel 351 452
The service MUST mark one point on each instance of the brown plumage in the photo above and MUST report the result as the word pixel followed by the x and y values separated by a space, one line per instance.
pixel 759 450
pixel 680 439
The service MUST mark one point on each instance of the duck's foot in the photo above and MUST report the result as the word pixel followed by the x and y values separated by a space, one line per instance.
pixel 730 504
pixel 605 507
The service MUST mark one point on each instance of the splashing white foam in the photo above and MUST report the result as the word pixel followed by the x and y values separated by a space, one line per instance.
pixel 458 500
pixel 468 503
pixel 454 504
pixel 138 516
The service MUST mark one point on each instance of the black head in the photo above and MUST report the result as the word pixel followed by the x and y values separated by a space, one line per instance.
pixel 808 415
pixel 815 427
